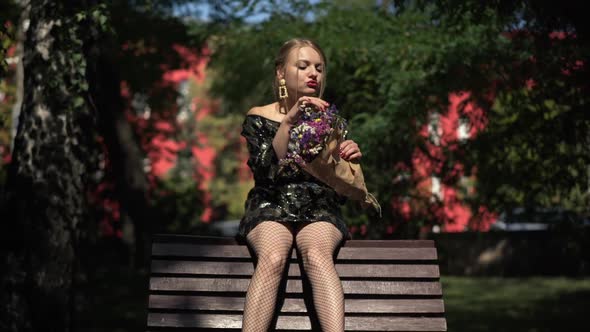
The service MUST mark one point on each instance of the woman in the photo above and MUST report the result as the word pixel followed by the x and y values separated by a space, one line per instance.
pixel 285 207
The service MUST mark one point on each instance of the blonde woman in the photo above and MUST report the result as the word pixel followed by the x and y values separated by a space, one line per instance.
pixel 285 208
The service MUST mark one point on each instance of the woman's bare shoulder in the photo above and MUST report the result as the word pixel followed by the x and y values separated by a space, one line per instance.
pixel 262 110
pixel 256 110
pixel 267 111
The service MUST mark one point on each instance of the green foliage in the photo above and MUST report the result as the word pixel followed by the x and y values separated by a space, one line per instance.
pixel 7 86
pixel 146 36
pixel 8 90
pixel 177 197
pixel 143 45
pixel 536 144
pixel 380 67
pixel 9 14
pixel 389 69
pixel 6 40
pixel 228 188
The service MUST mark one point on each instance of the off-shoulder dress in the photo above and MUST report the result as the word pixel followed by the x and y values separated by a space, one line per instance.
pixel 295 197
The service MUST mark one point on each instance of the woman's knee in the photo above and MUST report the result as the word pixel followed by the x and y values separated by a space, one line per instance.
pixel 315 257
pixel 272 242
pixel 273 262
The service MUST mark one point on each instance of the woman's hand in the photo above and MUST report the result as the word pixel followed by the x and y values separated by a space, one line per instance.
pixel 295 112
pixel 350 151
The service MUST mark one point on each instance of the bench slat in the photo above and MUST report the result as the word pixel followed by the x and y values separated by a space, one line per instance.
pixel 369 271
pixel 344 270
pixel 295 286
pixel 390 243
pixel 345 253
pixel 291 305
pixel 298 322
pixel 217 240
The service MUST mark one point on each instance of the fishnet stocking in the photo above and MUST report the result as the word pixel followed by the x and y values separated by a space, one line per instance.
pixel 272 243
pixel 316 243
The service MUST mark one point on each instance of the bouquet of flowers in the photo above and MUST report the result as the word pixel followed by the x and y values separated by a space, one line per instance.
pixel 310 134
pixel 314 144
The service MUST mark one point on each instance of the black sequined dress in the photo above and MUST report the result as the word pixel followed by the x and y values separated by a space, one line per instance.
pixel 295 197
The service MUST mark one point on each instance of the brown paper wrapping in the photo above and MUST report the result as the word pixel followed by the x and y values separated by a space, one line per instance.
pixel 345 177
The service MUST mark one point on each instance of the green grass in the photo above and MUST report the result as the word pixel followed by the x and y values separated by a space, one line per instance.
pixel 515 304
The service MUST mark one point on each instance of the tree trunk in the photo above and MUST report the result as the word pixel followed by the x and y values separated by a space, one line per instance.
pixel 44 210
pixel 123 150
pixel 20 37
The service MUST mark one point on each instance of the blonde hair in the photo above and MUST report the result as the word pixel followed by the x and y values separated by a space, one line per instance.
pixel 283 54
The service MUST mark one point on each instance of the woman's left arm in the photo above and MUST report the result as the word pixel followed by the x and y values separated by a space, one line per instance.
pixel 350 151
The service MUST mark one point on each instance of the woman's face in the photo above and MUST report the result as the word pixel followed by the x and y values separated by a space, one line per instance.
pixel 303 72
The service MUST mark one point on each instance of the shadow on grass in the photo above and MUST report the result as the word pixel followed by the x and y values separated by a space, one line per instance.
pixel 115 301
pixel 515 304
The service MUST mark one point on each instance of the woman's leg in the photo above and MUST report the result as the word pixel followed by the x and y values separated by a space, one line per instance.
pixel 272 243
pixel 316 243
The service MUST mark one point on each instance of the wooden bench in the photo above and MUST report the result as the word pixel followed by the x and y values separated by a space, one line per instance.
pixel 199 283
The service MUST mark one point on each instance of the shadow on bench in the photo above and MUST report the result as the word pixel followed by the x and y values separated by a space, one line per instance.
pixel 199 283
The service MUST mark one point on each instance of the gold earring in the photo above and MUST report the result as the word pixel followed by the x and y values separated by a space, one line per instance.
pixel 283 89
